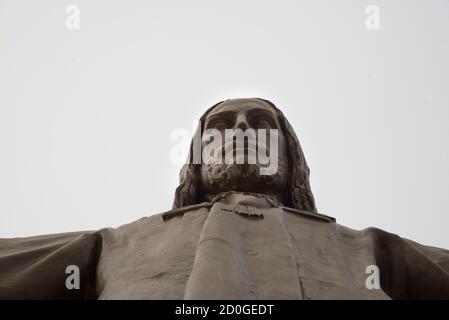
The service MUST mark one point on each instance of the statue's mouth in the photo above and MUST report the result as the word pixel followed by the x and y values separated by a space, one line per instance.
pixel 250 147
pixel 245 149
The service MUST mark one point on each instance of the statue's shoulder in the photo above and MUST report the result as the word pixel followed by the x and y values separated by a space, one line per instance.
pixel 150 223
pixel 313 215
pixel 180 211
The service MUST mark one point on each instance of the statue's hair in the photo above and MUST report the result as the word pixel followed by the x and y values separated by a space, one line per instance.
pixel 298 194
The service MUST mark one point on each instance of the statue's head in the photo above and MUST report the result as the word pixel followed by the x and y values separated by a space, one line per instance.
pixel 268 161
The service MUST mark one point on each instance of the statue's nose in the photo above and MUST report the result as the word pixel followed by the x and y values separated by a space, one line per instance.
pixel 241 123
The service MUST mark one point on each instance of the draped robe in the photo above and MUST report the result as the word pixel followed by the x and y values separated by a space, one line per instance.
pixel 238 246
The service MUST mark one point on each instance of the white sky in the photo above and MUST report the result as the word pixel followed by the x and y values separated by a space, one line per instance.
pixel 84 136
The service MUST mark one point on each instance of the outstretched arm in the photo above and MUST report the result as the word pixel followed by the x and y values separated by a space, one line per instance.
pixel 59 266
pixel 427 271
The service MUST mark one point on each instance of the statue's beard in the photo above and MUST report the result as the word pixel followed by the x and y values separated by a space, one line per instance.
pixel 217 178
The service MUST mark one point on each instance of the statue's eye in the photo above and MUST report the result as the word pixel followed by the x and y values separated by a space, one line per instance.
pixel 262 123
pixel 221 124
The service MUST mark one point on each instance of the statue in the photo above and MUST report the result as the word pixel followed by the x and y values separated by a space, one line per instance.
pixel 233 233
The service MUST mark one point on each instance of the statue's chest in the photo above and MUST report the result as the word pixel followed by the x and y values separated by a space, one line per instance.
pixel 240 247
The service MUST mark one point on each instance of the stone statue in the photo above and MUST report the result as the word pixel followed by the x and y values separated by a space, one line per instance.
pixel 233 233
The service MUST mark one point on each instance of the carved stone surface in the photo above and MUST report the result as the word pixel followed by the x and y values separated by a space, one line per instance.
pixel 232 234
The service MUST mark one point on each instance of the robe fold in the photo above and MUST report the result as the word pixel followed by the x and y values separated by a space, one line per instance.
pixel 239 246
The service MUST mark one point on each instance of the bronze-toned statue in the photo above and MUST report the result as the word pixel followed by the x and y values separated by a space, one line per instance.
pixel 233 233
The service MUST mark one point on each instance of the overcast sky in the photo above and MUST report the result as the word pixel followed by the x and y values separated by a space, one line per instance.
pixel 86 115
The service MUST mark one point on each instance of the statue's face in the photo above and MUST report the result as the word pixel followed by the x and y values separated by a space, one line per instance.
pixel 246 114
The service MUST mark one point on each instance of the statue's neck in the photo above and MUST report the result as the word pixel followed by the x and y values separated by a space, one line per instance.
pixel 279 197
